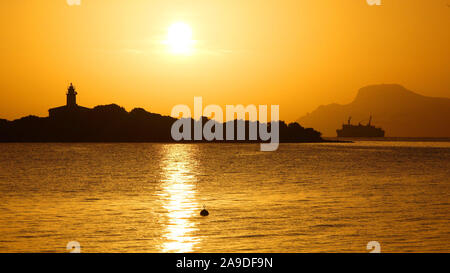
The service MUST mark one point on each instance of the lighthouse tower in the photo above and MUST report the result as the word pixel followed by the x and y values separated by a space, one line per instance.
pixel 71 109
pixel 71 97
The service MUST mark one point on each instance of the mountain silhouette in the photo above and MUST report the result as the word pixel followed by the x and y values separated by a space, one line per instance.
pixel 400 112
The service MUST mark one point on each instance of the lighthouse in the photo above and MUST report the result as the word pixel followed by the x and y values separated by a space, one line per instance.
pixel 71 97
pixel 71 109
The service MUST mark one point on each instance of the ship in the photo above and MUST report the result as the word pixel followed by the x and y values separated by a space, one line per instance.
pixel 368 130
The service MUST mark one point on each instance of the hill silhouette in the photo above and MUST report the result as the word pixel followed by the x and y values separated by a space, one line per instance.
pixel 112 123
pixel 400 112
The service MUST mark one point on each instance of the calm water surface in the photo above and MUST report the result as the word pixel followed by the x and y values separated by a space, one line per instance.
pixel 301 198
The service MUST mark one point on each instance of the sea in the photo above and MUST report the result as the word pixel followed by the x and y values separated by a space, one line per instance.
pixel 147 197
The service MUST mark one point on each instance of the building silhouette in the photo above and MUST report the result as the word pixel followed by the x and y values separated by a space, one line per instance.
pixel 71 109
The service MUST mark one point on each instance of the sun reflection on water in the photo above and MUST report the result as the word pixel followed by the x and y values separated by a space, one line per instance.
pixel 178 196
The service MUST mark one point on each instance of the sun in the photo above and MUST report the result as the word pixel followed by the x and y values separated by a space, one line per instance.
pixel 179 38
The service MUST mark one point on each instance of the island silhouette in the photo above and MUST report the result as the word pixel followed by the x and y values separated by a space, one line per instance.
pixel 112 123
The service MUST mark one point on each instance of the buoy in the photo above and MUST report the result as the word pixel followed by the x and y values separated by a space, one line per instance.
pixel 204 212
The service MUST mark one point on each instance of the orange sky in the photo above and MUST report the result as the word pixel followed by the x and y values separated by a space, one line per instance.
pixel 298 54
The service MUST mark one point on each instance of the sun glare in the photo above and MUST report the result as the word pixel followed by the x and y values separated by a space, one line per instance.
pixel 179 38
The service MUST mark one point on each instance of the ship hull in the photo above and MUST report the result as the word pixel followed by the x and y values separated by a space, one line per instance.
pixel 360 131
